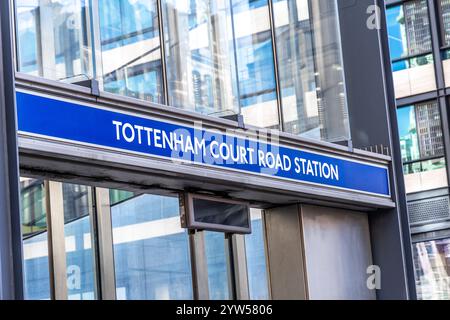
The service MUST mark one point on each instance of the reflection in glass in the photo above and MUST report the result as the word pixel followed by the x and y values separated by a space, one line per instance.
pixel 445 10
pixel 432 265
pixel 151 250
pixel 409 29
pixel 200 56
pixel 53 40
pixel 421 133
pixel 35 240
pixel 81 280
pixel 310 69
pixel 131 50
pixel 255 63
pixel 256 259
pixel 216 260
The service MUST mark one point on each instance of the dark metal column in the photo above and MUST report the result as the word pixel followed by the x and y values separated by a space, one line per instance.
pixel 11 285
pixel 373 122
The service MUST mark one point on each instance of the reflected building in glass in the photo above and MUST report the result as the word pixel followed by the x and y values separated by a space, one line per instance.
pixel 279 64
pixel 418 32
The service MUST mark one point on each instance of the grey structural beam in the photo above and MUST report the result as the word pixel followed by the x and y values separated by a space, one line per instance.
pixel 373 122
pixel 11 283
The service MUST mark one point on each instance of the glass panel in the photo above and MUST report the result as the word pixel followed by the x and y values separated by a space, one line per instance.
pixel 445 8
pixel 81 280
pixel 35 240
pixel 257 86
pixel 409 140
pixel 216 259
pixel 201 65
pixel 151 250
pixel 409 29
pixel 131 50
pixel 53 40
pixel 256 259
pixel 432 262
pixel 310 68
pixel 421 141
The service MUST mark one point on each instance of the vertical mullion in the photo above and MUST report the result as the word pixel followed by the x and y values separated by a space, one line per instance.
pixel 266 253
pixel 56 239
pixel 97 56
pixel 231 275
pixel 275 60
pixel 165 84
pixel 14 35
pixel 199 265
pixel 105 245
pixel 240 267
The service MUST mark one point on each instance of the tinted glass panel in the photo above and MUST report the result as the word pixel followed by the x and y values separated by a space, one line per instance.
pixel 310 68
pixel 256 259
pixel 201 66
pixel 256 75
pixel 409 29
pixel 151 250
pixel 131 50
pixel 53 39
pixel 432 262
pixel 80 259
pixel 35 240
pixel 217 266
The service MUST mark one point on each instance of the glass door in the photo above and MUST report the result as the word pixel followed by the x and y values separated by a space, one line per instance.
pixel 84 243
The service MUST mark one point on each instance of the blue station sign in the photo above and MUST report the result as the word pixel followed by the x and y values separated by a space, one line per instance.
pixel 63 120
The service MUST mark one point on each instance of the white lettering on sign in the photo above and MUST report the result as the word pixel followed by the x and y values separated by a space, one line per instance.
pixel 222 152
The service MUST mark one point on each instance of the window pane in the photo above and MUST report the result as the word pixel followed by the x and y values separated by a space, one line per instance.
pixel 409 29
pixel 445 8
pixel 256 259
pixel 257 87
pixel 35 243
pixel 432 262
pixel 151 250
pixel 131 51
pixel 53 39
pixel 200 56
pixel 429 127
pixel 409 141
pixel 81 280
pixel 216 260
pixel 310 67
pixel 421 141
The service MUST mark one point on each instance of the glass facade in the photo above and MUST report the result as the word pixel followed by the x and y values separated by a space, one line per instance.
pixel 201 65
pixel 79 237
pixel 256 66
pixel 151 250
pixel 422 146
pixel 217 262
pixel 310 69
pixel 256 259
pixel 130 49
pixel 213 57
pixel 432 265
pixel 35 240
pixel 409 29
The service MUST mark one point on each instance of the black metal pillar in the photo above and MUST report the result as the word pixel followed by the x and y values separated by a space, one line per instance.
pixel 11 285
pixel 373 122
